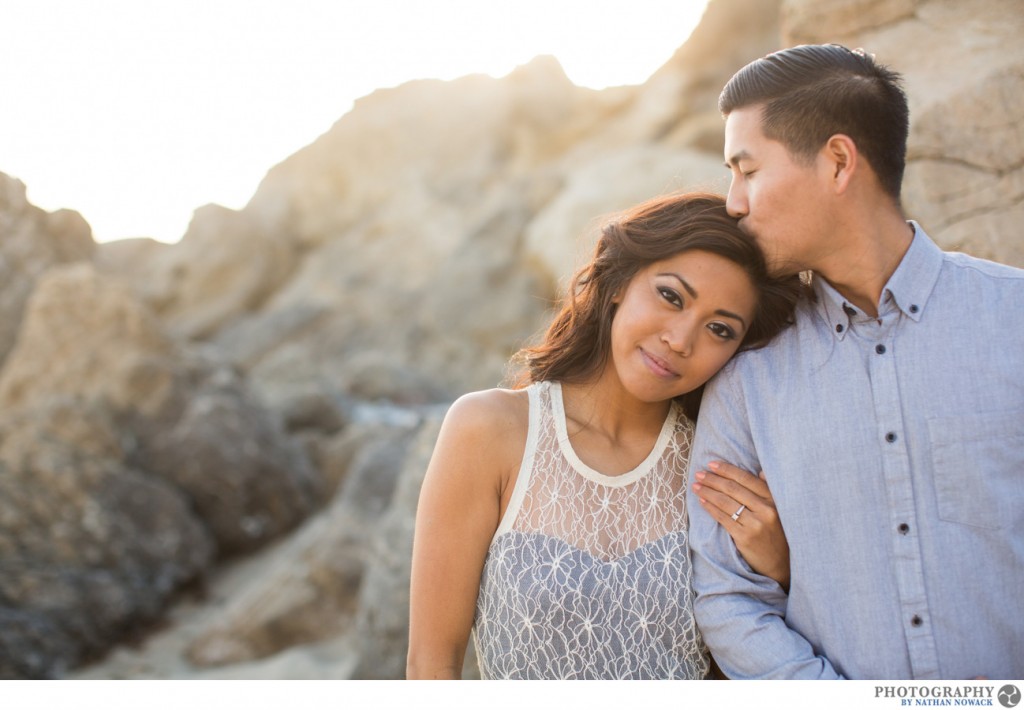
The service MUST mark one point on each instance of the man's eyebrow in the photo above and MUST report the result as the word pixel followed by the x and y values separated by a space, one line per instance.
pixel 737 157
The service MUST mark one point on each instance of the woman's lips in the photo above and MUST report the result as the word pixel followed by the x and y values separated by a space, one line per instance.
pixel 658 366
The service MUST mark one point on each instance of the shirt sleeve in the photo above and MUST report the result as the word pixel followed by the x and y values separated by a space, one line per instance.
pixel 740 613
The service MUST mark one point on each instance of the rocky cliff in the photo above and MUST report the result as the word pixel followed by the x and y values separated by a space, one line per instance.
pixel 210 452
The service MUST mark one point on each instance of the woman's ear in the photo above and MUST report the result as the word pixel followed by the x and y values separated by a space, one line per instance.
pixel 842 158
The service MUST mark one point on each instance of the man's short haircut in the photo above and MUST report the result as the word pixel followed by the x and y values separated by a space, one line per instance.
pixel 812 92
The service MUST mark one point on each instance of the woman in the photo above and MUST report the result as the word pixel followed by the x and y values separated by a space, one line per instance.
pixel 552 516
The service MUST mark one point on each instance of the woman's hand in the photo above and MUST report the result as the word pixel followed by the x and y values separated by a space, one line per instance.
pixel 743 505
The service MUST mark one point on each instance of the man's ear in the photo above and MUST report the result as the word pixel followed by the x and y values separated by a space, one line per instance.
pixel 842 159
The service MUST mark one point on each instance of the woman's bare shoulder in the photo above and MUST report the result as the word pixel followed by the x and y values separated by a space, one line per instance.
pixel 491 412
pixel 483 437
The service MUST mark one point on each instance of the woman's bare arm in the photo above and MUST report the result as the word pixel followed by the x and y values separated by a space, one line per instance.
pixel 457 515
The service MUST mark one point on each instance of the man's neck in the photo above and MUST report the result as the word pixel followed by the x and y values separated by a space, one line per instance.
pixel 861 268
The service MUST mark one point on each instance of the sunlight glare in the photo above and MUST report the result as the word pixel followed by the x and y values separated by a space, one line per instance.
pixel 137 113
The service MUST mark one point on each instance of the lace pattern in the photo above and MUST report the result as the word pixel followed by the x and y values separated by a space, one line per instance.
pixel 588 575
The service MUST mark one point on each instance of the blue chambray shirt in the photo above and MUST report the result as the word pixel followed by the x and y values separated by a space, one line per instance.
pixel 894 448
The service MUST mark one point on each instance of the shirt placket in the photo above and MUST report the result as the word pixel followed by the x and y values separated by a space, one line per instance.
pixel 879 339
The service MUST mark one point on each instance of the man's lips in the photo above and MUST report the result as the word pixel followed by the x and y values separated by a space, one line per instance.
pixel 657 365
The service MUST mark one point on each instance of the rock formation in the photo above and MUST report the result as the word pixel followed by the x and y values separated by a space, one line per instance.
pixel 229 433
pixel 32 241
pixel 127 464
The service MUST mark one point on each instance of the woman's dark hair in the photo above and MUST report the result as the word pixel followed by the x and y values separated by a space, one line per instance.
pixel 577 343
pixel 814 91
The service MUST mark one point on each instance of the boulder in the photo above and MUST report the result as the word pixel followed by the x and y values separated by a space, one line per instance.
pixel 437 321
pixel 412 165
pixel 225 266
pixel 91 549
pixel 310 590
pixel 127 462
pixel 184 417
pixel 677 107
pixel 561 236
pixel 31 241
pixel 305 593
pixel 842 21
pixel 381 625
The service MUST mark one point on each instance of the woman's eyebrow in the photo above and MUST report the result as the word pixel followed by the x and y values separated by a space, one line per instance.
pixel 689 289
pixel 693 294
pixel 730 314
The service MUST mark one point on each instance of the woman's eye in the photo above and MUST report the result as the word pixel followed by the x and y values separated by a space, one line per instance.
pixel 722 331
pixel 671 296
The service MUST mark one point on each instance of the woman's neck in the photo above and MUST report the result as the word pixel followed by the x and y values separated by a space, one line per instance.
pixel 605 407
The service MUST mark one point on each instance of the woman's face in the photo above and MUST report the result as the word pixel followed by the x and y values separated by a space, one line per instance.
pixel 678 322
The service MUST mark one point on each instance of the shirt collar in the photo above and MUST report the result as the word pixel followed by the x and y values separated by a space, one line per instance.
pixel 908 288
pixel 832 307
pixel 914 279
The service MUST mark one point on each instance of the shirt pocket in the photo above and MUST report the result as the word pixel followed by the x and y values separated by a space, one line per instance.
pixel 979 461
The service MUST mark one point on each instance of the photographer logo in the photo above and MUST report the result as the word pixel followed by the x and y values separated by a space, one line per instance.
pixel 1009 696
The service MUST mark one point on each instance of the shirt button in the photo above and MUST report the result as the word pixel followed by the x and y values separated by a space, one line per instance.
pixel 839 328
pixel 916 621
pixel 903 528
pixel 914 308
pixel 880 349
pixel 890 437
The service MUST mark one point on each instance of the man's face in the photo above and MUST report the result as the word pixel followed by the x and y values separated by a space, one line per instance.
pixel 779 200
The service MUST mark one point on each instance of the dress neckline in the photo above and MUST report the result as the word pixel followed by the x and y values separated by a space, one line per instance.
pixel 620 479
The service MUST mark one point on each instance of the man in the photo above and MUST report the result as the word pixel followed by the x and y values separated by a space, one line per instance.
pixel 889 420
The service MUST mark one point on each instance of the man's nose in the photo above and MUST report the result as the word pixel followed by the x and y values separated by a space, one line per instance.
pixel 736 201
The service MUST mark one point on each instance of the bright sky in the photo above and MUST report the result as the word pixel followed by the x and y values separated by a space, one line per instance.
pixel 136 112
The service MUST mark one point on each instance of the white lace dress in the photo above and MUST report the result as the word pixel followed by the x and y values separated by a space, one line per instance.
pixel 588 575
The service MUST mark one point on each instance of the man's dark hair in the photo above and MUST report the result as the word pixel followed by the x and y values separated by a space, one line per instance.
pixel 812 92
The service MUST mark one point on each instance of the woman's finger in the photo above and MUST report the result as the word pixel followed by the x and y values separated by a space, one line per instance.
pixel 721 517
pixel 742 477
pixel 735 493
pixel 721 501
pixel 743 530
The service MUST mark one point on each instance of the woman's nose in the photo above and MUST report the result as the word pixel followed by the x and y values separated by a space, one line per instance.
pixel 679 337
